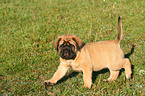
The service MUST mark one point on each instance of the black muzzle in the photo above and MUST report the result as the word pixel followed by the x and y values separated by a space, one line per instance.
pixel 67 51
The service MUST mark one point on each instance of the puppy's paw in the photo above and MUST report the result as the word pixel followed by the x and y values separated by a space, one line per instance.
pixel 105 80
pixel 48 83
pixel 87 86
pixel 128 76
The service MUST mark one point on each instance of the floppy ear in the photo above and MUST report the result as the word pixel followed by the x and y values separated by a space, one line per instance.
pixel 56 44
pixel 78 41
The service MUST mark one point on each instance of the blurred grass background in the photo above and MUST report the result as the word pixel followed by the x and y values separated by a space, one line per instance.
pixel 29 28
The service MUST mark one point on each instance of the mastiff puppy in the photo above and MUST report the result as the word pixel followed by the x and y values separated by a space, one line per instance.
pixel 90 57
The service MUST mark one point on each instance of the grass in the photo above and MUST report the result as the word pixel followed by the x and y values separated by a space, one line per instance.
pixel 29 28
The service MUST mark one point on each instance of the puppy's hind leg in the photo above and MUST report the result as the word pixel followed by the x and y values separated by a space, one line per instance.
pixel 113 75
pixel 127 67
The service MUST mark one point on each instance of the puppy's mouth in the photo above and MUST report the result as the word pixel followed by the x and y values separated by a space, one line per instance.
pixel 67 51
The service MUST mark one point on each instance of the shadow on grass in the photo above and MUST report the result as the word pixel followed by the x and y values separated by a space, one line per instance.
pixel 128 56
pixel 73 74
pixel 96 73
pixel 130 53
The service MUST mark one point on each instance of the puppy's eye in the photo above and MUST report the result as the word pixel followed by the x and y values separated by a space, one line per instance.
pixel 61 45
pixel 73 47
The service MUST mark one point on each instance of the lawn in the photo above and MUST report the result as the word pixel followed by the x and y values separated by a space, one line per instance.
pixel 29 28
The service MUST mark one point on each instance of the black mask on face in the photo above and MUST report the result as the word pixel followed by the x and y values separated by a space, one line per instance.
pixel 67 51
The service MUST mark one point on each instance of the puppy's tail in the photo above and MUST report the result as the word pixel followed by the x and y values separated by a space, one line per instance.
pixel 120 34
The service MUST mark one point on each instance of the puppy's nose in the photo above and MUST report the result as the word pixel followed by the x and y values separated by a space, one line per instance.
pixel 66 53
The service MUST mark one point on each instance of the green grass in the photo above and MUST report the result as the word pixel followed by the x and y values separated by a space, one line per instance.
pixel 28 29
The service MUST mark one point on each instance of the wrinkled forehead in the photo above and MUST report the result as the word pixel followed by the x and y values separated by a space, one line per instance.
pixel 67 39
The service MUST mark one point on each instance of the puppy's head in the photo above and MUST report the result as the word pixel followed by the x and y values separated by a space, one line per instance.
pixel 68 45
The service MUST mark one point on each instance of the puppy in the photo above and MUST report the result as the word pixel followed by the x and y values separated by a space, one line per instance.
pixel 90 57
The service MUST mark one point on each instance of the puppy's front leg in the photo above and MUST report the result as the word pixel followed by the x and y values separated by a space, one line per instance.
pixel 62 69
pixel 87 77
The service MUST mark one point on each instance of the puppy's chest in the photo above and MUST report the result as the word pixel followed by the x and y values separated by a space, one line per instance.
pixel 75 66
